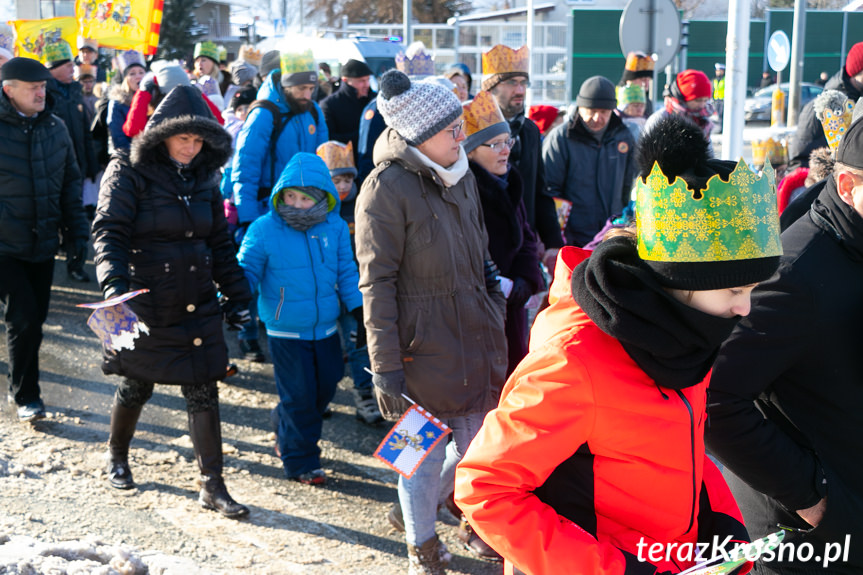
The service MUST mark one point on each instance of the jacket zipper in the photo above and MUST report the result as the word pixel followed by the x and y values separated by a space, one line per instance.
pixel 692 456
pixel 312 262
pixel 281 302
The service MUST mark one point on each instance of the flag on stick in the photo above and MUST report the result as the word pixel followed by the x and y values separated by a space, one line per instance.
pixel 411 439
pixel 115 323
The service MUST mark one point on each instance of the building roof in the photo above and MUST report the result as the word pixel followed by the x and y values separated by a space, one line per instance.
pixel 501 14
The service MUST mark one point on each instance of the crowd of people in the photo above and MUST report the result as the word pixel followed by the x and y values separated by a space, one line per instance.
pixel 692 376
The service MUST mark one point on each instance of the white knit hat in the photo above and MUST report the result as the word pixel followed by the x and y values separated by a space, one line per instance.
pixel 416 110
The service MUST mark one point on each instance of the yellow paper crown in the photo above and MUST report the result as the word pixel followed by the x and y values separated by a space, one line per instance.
pixel 836 123
pixel 85 70
pixel 639 62
pixel 294 62
pixel 480 113
pixel 207 49
pixel 503 59
pixel 733 220
pixel 775 150
pixel 336 155
pixel 251 55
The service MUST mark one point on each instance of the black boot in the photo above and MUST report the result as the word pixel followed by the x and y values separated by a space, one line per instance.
pixel 205 428
pixel 123 422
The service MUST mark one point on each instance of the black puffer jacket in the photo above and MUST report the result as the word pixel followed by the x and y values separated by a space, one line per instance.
pixel 162 227
pixel 40 185
pixel 69 107
pixel 342 111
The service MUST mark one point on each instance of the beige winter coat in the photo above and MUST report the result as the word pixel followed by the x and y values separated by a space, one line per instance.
pixel 421 248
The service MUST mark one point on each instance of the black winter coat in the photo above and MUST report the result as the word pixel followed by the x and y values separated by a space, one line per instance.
pixel 342 112
pixel 527 157
pixel 810 132
pixel 40 185
pixel 69 107
pixel 162 227
pixel 796 358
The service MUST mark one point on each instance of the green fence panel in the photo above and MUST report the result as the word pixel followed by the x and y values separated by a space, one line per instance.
pixel 595 46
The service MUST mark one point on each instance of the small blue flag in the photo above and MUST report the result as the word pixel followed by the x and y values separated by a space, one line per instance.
pixel 411 439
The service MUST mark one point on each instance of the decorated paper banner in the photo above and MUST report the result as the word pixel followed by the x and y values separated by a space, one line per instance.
pixel 411 439
pixel 121 24
pixel 115 323
pixel 31 36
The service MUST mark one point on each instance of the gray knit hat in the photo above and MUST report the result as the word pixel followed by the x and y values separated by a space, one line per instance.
pixel 416 110
pixel 169 75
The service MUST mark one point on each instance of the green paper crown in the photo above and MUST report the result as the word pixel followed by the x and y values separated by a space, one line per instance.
pixel 733 220
pixel 293 62
pixel 208 49
pixel 57 51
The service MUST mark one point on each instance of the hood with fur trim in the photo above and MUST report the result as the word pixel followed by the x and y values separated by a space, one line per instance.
pixel 183 111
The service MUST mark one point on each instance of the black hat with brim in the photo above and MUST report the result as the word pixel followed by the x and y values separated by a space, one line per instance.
pixel 25 70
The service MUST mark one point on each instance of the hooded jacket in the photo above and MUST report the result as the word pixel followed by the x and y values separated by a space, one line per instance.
pixel 300 277
pixel 787 388
pixel 40 184
pixel 587 458
pixel 596 176
pixel 161 226
pixel 119 103
pixel 421 248
pixel 251 165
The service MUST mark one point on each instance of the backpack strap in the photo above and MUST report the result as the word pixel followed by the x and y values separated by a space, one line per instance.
pixel 279 122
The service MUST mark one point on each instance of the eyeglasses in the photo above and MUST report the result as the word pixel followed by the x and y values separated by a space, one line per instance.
pixel 456 130
pixel 498 146
pixel 513 83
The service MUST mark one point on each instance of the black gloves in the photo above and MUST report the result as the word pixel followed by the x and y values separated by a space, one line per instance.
pixel 392 382
pixel 236 314
pixel 361 328
pixel 150 84
pixel 521 292
pixel 491 272
pixel 115 286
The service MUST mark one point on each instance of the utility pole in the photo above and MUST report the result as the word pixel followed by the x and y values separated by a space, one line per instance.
pixel 407 16
pixel 797 45
pixel 736 71
pixel 528 97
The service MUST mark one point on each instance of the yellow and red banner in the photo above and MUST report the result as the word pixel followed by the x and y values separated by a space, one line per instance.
pixel 31 36
pixel 121 24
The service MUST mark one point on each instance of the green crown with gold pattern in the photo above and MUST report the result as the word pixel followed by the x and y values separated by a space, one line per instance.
pixel 733 220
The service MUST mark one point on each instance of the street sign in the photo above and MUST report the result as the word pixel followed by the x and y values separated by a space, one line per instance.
pixel 652 27
pixel 778 51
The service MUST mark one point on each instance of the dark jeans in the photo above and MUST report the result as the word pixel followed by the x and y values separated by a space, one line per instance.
pixel 25 290
pixel 306 374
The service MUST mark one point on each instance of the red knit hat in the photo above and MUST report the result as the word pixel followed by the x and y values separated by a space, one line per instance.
pixel 854 61
pixel 693 84
pixel 543 116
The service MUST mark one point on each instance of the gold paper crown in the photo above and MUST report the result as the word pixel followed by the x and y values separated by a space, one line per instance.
pixel 250 55
pixel 57 51
pixel 503 59
pixel 639 62
pixel 337 155
pixel 776 151
pixel 415 61
pixel 207 49
pixel 836 123
pixel 480 113
pixel 733 220
pixel 85 70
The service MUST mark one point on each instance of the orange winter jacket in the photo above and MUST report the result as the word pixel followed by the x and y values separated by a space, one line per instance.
pixel 587 462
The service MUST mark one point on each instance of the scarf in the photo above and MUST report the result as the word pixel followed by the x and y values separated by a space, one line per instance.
pixel 450 176
pixel 673 343
pixel 494 194
pixel 700 117
pixel 301 220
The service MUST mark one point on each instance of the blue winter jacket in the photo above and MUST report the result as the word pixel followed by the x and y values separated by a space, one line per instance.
pixel 251 165
pixel 301 276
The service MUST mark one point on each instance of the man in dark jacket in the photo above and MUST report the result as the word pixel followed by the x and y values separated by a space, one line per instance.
pixel 786 394
pixel 589 161
pixel 344 108
pixel 40 193
pixel 69 107
pixel 505 76
pixel 810 134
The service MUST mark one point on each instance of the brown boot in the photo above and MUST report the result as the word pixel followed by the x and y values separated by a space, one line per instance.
pixel 474 544
pixel 123 422
pixel 426 559
pixel 205 428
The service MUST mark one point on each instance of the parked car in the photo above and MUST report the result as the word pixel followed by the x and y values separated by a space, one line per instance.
pixel 757 107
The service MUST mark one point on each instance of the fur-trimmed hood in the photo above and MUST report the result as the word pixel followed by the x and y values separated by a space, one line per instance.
pixel 119 93
pixel 183 111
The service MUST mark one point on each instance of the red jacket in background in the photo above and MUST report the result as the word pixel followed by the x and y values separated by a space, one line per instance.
pixel 139 113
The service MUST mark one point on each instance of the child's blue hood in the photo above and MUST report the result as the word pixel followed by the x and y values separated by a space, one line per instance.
pixel 306 169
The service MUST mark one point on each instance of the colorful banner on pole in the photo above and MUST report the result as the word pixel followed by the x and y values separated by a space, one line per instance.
pixel 121 24
pixel 31 36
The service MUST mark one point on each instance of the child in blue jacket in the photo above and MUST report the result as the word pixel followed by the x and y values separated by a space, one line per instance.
pixel 298 260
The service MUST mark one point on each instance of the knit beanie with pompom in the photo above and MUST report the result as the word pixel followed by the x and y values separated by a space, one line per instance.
pixel 416 110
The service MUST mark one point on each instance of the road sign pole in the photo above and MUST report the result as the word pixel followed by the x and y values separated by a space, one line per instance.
pixel 797 43
pixel 736 66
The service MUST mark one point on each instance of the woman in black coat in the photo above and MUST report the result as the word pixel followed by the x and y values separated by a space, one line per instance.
pixel 160 225
pixel 511 242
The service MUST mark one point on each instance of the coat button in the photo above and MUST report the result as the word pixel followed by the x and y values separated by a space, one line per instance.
pixel 190 308
pixel 193 268
pixel 189 233
pixel 197 342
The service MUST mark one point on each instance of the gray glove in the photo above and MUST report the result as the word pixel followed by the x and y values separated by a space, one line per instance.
pixel 390 382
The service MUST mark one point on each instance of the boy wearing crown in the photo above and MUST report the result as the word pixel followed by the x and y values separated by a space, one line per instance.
pixel 595 451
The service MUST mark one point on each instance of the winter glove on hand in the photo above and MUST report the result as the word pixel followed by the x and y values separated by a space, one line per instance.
pixel 236 315
pixel 114 287
pixel 361 328
pixel 391 382
pixel 521 292
pixel 149 83
pixel 491 272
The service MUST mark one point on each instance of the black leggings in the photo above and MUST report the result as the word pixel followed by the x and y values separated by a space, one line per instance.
pixel 132 393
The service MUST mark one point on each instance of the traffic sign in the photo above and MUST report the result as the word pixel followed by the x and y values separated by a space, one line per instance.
pixel 652 27
pixel 778 51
